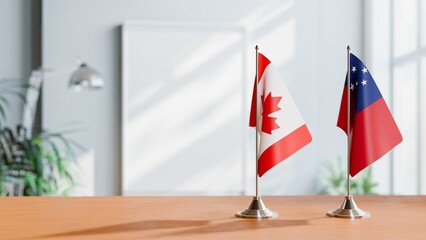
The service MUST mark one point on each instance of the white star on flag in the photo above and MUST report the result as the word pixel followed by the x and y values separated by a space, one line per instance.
pixel 364 70
pixel 364 82
pixel 353 68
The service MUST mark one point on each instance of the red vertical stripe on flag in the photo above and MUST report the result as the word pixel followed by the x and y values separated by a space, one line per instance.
pixel 263 62
pixel 284 148
pixel 342 120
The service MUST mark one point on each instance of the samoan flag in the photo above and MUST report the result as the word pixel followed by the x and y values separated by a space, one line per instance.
pixel 373 131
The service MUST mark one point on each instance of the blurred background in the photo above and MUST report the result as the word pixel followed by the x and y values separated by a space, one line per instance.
pixel 172 117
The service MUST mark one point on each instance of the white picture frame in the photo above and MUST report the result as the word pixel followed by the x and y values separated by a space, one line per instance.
pixel 168 149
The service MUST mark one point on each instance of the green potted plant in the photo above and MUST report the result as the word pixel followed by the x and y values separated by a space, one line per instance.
pixel 333 180
pixel 32 166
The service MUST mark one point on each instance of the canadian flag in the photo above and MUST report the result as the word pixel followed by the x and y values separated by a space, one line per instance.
pixel 281 128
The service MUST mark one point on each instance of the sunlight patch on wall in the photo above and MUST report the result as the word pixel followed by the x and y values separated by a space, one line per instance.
pixel 184 115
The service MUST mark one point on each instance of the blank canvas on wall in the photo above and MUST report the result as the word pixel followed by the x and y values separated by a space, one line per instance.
pixel 183 109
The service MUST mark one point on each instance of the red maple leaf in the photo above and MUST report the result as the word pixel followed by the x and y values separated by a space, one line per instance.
pixel 270 105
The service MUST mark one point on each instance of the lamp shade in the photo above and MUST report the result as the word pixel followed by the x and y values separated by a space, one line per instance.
pixel 86 77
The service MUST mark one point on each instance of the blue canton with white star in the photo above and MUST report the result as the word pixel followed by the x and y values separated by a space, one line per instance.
pixel 362 87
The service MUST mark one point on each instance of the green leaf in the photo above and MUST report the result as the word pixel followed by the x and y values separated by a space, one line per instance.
pixel 46 160
pixel 334 179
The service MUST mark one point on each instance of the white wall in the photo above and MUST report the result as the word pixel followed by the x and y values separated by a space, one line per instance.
pixel 395 56
pixel 306 40
pixel 15 47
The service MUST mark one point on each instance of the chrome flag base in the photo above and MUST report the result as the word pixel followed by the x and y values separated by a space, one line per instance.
pixel 348 209
pixel 257 209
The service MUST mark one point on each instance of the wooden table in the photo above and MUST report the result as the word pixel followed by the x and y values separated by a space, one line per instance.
pixel 301 217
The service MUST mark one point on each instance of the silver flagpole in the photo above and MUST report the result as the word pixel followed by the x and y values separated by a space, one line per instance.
pixel 348 209
pixel 348 182
pixel 257 208
pixel 256 133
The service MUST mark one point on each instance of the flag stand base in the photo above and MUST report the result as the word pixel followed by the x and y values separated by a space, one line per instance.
pixel 348 209
pixel 257 209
